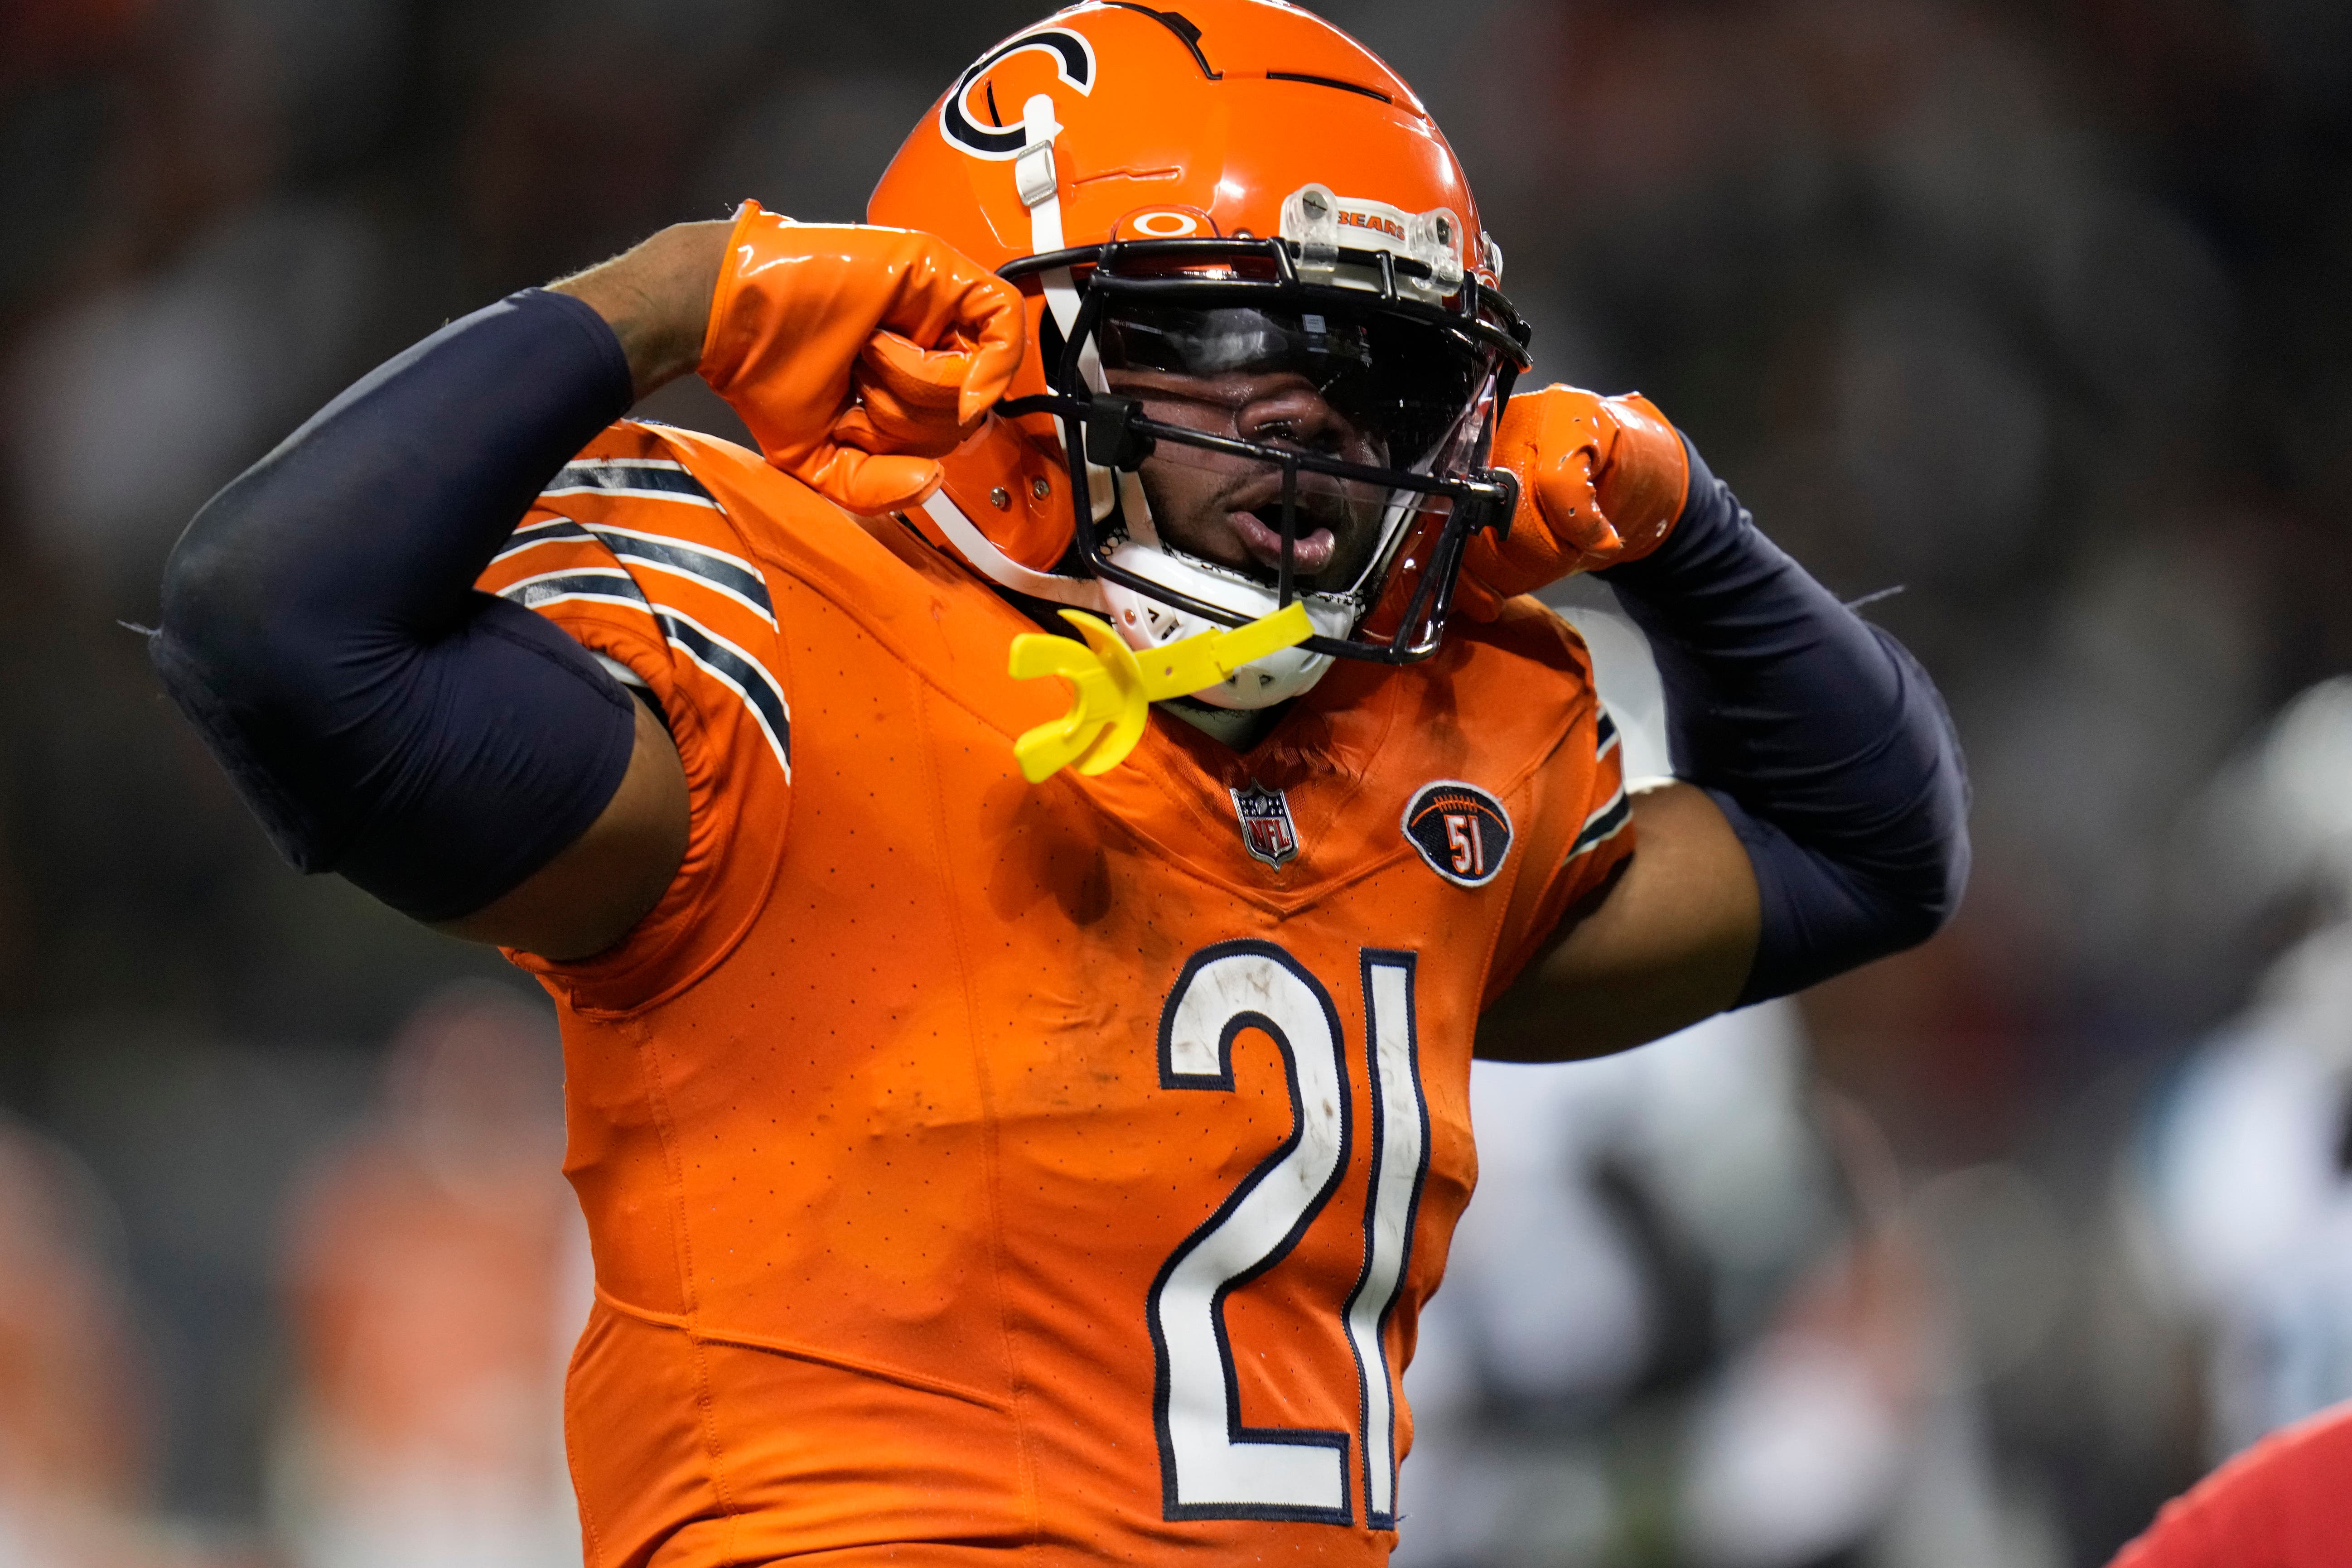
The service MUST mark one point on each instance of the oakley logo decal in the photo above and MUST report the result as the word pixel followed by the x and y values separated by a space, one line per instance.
pixel 1165 225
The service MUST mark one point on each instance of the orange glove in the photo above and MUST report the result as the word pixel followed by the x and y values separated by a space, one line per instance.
pixel 857 356
pixel 1602 480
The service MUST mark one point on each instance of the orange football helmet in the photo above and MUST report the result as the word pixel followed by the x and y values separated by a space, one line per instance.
pixel 1267 340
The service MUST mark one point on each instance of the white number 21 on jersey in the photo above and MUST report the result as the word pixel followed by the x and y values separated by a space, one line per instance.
pixel 1210 1466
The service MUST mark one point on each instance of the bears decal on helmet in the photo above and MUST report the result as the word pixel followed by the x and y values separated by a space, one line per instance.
pixel 1076 67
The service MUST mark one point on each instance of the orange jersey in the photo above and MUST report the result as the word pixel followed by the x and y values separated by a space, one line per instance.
pixel 975 1165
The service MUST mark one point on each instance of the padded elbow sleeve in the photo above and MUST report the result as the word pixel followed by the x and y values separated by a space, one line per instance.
pixel 1820 736
pixel 1885 878
pixel 434 745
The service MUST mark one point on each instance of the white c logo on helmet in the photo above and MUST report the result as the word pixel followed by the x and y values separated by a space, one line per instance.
pixel 1074 62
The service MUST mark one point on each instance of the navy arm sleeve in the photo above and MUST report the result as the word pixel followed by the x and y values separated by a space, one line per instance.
pixel 385 721
pixel 1819 735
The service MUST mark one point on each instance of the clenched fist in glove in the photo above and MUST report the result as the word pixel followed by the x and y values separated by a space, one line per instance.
pixel 857 355
pixel 1602 480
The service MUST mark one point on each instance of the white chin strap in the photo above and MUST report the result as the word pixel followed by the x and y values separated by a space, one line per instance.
pixel 980 551
pixel 1039 185
pixel 1146 623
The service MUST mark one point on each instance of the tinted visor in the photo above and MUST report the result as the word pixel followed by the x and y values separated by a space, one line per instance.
pixel 1341 381
pixel 1402 384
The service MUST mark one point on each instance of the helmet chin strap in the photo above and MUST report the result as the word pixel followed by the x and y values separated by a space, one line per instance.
pixel 1082 593
pixel 1039 185
pixel 1040 189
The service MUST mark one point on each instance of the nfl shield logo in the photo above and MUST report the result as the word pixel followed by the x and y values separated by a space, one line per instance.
pixel 1266 830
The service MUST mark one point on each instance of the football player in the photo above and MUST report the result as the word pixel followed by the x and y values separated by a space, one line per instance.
pixel 978 1157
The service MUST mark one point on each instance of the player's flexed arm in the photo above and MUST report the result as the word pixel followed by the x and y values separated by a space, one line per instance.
pixel 1824 822
pixel 459 755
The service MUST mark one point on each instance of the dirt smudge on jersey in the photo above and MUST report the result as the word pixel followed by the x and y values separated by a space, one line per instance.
pixel 1048 848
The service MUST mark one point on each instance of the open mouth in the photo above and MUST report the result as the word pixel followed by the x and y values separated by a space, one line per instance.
pixel 1310 552
pixel 1254 509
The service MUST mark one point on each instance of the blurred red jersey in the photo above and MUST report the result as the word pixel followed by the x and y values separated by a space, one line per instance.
pixel 974 1166
pixel 2287 1502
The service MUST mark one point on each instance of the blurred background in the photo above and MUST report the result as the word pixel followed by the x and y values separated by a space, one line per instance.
pixel 2036 319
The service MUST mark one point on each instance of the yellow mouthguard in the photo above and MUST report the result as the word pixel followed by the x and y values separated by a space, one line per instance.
pixel 1112 689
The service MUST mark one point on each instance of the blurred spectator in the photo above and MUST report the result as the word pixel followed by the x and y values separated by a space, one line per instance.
pixel 436 1266
pixel 1689 1320
pixel 1634 1215
pixel 214 356
pixel 76 1400
pixel 2246 1167
pixel 74 1426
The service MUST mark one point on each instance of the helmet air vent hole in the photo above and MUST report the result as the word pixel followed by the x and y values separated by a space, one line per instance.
pixel 1311 80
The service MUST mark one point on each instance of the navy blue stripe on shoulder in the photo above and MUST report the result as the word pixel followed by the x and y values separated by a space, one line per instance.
pixel 1604 823
pixel 731 666
pixel 552 531
pixel 656 479
pixel 740 672
pixel 589 583
pixel 730 574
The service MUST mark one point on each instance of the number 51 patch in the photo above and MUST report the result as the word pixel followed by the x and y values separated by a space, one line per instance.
pixel 1461 830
